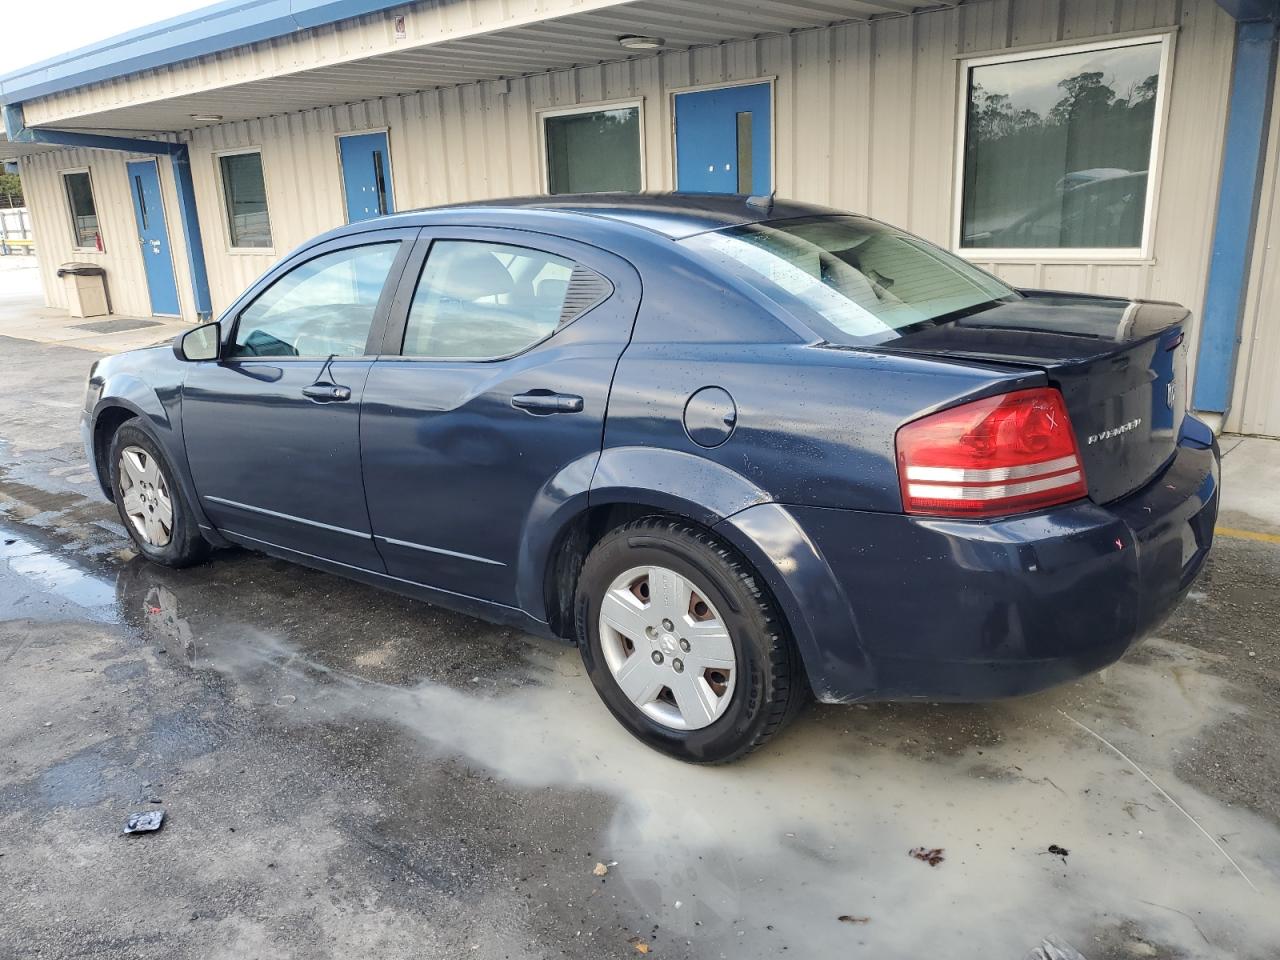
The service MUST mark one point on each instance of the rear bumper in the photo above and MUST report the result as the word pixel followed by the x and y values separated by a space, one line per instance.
pixel 964 610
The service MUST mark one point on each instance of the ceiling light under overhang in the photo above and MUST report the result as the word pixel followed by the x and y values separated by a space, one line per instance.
pixel 641 43
pixel 207 117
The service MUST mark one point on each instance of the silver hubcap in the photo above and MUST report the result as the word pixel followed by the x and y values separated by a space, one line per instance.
pixel 667 647
pixel 144 492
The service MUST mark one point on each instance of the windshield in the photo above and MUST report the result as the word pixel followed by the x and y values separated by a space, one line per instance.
pixel 865 281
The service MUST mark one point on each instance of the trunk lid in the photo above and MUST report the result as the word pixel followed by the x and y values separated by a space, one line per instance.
pixel 1120 364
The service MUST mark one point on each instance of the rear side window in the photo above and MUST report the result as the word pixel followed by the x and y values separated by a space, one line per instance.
pixel 481 301
pixel 323 307
pixel 861 281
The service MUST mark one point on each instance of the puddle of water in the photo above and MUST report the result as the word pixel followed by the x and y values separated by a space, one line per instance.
pixel 49 572
pixel 818 825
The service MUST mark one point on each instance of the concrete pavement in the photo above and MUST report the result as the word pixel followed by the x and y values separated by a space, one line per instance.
pixel 23 315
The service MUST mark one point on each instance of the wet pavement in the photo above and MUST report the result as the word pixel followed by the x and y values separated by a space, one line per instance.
pixel 347 773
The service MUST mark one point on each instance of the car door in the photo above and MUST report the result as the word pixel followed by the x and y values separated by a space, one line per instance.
pixel 272 428
pixel 492 391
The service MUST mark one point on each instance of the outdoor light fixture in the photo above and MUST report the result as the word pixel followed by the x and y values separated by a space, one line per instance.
pixel 641 43
pixel 208 117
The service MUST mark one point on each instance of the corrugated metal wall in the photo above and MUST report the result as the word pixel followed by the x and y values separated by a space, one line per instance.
pixel 865 120
pixel 121 256
pixel 1255 407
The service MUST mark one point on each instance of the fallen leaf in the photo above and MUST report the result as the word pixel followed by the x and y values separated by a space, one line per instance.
pixel 845 918
pixel 640 945
pixel 600 870
pixel 931 857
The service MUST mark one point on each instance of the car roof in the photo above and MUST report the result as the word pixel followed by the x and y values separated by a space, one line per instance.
pixel 674 215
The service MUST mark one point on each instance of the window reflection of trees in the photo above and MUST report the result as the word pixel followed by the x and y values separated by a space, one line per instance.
pixel 1034 178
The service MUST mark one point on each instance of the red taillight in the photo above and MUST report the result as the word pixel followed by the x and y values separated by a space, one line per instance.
pixel 1000 455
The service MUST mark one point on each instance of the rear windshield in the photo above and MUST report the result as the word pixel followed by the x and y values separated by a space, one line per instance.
pixel 854 280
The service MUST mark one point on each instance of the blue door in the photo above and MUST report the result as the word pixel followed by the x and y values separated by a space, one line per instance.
pixel 366 176
pixel 153 237
pixel 724 140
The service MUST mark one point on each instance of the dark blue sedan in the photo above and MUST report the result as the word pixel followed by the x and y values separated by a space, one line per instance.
pixel 739 451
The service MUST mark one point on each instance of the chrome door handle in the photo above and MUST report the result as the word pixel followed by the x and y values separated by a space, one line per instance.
pixel 540 402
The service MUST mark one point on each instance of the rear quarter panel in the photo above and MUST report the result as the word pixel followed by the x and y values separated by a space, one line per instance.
pixel 814 425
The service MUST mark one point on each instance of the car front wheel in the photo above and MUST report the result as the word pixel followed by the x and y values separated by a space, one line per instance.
pixel 150 503
pixel 683 644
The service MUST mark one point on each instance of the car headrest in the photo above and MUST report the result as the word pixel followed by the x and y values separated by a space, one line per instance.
pixel 552 291
pixel 474 274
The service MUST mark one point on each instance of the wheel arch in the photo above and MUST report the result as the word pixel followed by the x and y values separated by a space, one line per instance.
pixel 594 494
pixel 128 400
pixel 570 546
pixel 106 424
pixel 812 600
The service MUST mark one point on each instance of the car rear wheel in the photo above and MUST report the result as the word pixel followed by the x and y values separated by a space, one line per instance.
pixel 151 505
pixel 683 644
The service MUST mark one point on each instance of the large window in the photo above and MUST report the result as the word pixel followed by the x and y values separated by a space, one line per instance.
pixel 323 307
pixel 1059 149
pixel 245 193
pixel 482 301
pixel 593 151
pixel 84 211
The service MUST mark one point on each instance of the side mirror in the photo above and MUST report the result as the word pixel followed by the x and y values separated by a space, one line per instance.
pixel 202 343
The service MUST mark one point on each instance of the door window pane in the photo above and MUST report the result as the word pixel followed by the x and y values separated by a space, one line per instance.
pixel 245 193
pixel 321 308
pixel 481 301
pixel 84 212
pixel 1057 149
pixel 594 152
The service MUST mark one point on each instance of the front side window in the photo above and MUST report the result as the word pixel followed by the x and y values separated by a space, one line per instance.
pixel 856 281
pixel 84 211
pixel 1058 149
pixel 323 307
pixel 245 193
pixel 593 152
pixel 482 301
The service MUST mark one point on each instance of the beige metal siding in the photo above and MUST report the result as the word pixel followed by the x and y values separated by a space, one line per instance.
pixel 865 120
pixel 1255 407
pixel 121 256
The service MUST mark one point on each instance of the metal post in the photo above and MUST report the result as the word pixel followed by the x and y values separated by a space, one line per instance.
pixel 1239 186
pixel 187 212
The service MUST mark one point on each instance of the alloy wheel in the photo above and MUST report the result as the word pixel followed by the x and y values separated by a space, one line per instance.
pixel 667 647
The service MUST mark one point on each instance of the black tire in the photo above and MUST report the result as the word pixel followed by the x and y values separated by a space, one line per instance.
pixel 186 545
pixel 770 687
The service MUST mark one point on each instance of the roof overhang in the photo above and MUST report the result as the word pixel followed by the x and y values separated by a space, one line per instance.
pixel 15 151
pixel 444 43
pixel 212 29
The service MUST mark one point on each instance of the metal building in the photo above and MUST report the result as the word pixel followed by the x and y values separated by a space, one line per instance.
pixel 1107 146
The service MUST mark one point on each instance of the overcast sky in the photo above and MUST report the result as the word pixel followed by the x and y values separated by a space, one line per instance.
pixel 35 32
pixel 1033 84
